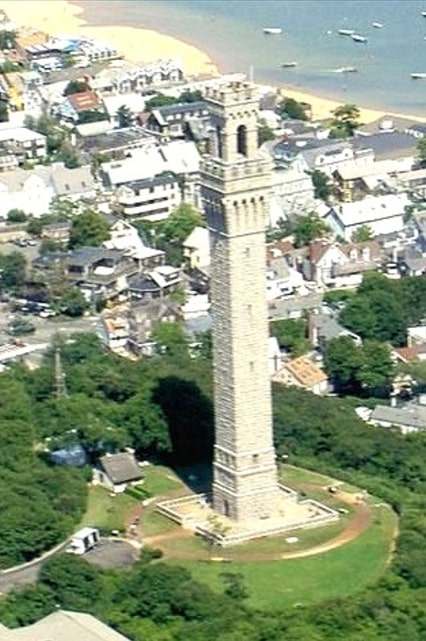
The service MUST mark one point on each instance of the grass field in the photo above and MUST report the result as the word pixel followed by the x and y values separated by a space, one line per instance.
pixel 160 480
pixel 105 511
pixel 337 573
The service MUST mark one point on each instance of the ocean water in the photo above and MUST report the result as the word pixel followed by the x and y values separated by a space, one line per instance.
pixel 231 32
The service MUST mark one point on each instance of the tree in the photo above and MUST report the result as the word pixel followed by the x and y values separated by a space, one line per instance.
pixel 342 362
pixel 88 229
pixel 76 86
pixel 181 222
pixel 345 122
pixel 73 303
pixel 421 151
pixel 16 216
pixel 264 133
pixel 291 108
pixel 362 234
pixel 7 39
pixel 90 115
pixel 309 228
pixel 234 586
pixel 377 367
pixel 322 185
pixel 68 155
pixel 160 100
pixel 190 96
pixel 291 335
pixel 125 117
pixel 170 338
pixel 4 111
pixel 12 270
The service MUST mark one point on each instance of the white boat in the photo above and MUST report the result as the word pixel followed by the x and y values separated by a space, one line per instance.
pixel 377 25
pixel 418 75
pixel 346 32
pixel 272 31
pixel 424 14
pixel 288 65
pixel 357 38
pixel 346 70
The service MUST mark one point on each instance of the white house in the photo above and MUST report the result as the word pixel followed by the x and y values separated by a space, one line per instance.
pixel 196 248
pixel 150 199
pixel 383 214
pixel 22 141
pixel 292 188
pixel 334 265
pixel 302 372
pixel 117 471
pixel 125 237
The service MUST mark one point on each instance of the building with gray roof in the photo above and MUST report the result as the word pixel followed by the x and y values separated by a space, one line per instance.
pixel 410 418
pixel 63 625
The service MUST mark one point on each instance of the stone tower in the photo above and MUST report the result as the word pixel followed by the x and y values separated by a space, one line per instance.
pixel 235 182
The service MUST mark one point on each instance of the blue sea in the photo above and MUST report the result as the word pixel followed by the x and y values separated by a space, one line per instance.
pixel 231 32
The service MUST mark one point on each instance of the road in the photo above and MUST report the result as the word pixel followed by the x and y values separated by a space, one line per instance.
pixel 110 554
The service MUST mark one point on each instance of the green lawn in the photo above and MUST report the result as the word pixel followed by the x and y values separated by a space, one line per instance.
pixel 105 511
pixel 290 475
pixel 154 523
pixel 337 573
pixel 160 480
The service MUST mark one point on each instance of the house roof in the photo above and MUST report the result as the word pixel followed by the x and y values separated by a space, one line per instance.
pixel 387 145
pixel 63 625
pixel 198 238
pixel 90 255
pixel 412 415
pixel 371 209
pixel 69 182
pixel 407 354
pixel 121 467
pixel 305 372
pixel 84 101
pixel 317 251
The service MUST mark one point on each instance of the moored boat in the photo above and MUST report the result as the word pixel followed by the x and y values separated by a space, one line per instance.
pixel 347 70
pixel 418 75
pixel 346 32
pixel 272 31
pixel 377 25
pixel 288 65
pixel 357 38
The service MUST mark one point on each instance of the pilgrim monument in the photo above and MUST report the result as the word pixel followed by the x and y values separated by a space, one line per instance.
pixel 235 181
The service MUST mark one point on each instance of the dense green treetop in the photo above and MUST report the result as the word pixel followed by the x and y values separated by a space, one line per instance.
pixel 88 229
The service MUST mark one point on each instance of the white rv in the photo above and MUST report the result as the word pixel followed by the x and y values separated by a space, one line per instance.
pixel 83 540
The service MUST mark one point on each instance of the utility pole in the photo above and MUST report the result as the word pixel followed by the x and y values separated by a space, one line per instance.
pixel 60 385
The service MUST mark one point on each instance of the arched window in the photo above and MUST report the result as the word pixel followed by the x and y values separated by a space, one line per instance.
pixel 219 142
pixel 242 140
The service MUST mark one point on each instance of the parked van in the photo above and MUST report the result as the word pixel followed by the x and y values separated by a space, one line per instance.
pixel 83 541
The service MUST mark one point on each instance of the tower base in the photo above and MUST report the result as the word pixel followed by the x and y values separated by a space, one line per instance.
pixel 196 513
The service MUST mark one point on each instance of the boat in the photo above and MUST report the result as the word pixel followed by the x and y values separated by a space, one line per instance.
pixel 418 75
pixel 424 14
pixel 357 38
pixel 288 65
pixel 346 32
pixel 377 25
pixel 346 70
pixel 272 31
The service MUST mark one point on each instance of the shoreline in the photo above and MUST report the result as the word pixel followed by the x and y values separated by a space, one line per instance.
pixel 147 45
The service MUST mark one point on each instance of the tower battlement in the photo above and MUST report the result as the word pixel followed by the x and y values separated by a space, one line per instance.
pixel 233 93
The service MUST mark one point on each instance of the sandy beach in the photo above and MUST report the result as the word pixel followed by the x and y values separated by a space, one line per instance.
pixel 57 17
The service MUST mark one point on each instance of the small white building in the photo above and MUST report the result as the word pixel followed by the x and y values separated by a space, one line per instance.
pixel 383 214
pixel 302 372
pixel 196 248
pixel 117 471
pixel 150 199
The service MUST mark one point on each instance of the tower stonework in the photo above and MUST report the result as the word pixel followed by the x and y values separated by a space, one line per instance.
pixel 235 181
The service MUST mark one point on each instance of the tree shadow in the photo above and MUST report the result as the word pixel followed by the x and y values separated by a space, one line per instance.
pixel 189 416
